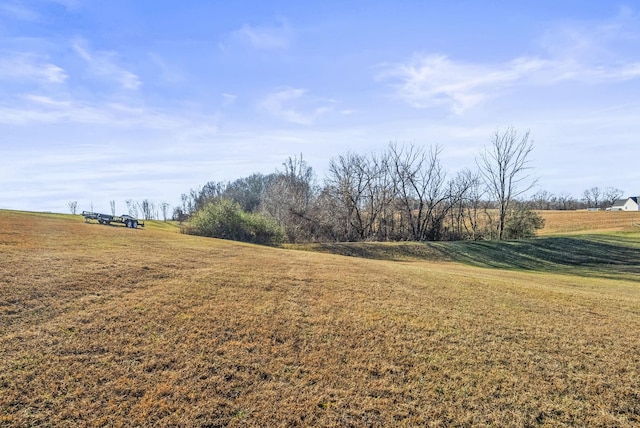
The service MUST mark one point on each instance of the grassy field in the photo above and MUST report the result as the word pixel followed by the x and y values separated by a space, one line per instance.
pixel 577 222
pixel 108 326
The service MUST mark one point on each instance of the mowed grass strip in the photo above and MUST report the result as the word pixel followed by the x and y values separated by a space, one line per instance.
pixel 107 326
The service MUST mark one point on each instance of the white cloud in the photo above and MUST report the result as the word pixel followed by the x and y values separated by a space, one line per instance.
pixel 104 64
pixel 593 54
pixel 40 109
pixel 228 99
pixel 606 41
pixel 24 66
pixel 288 103
pixel 69 4
pixel 263 37
pixel 168 72
pixel 436 80
pixel 19 11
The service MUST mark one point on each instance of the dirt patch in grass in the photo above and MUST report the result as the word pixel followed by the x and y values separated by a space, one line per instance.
pixel 109 326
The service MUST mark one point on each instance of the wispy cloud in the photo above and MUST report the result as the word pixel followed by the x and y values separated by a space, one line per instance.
pixel 104 64
pixel 18 11
pixel 262 37
pixel 32 109
pixel 586 54
pixel 288 104
pixel 168 72
pixel 24 66
pixel 69 4
pixel 606 41
pixel 436 80
pixel 228 99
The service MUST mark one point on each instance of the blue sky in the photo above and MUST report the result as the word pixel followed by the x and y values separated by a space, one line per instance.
pixel 116 100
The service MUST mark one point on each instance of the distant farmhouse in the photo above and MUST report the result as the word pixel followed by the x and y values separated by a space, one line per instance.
pixel 629 204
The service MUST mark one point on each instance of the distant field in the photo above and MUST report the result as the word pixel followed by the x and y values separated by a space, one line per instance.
pixel 108 326
pixel 565 222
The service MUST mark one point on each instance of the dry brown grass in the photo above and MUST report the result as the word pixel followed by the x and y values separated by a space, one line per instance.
pixel 570 222
pixel 200 332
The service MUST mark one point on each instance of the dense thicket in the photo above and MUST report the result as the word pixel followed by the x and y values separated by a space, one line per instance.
pixel 402 194
pixel 223 218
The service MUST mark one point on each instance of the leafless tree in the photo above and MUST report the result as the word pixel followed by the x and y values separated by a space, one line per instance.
pixel 164 207
pixel 289 199
pixel 73 207
pixel 504 165
pixel 610 195
pixel 542 200
pixel 113 207
pixel 419 188
pixel 466 200
pixel 362 191
pixel 147 209
pixel 132 207
pixel 345 188
pixel 566 201
pixel 593 197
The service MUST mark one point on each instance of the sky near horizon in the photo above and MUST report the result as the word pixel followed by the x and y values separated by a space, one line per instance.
pixel 116 100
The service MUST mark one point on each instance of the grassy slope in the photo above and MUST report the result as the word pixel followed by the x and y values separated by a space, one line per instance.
pixel 195 331
pixel 591 244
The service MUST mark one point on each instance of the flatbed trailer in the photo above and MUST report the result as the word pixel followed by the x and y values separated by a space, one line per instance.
pixel 125 219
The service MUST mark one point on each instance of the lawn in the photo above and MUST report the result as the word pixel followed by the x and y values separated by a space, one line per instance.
pixel 109 326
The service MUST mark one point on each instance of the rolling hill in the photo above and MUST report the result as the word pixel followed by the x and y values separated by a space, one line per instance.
pixel 108 326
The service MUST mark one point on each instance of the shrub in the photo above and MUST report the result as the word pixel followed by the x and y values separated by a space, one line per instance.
pixel 225 219
pixel 522 223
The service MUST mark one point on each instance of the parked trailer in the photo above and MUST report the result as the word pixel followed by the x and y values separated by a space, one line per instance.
pixel 125 219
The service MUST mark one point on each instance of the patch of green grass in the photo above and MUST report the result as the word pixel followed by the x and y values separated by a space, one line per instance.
pixel 164 226
pixel 605 256
pixel 613 255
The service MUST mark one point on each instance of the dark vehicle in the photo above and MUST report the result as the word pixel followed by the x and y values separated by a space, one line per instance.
pixel 125 219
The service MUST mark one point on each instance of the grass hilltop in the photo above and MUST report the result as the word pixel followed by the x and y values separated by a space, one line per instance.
pixel 109 326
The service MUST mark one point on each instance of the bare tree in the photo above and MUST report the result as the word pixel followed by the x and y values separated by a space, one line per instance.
pixel 289 199
pixel 164 207
pixel 465 193
pixel 73 206
pixel 346 188
pixel 419 188
pixel 362 191
pixel 611 194
pixel 113 207
pixel 504 165
pixel 132 207
pixel 147 209
pixel 593 197
pixel 566 201
pixel 542 200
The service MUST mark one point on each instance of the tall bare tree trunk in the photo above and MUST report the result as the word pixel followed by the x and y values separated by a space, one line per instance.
pixel 504 165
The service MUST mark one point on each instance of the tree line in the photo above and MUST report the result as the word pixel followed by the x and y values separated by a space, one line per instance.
pixel 594 197
pixel 400 194
pixel 145 209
